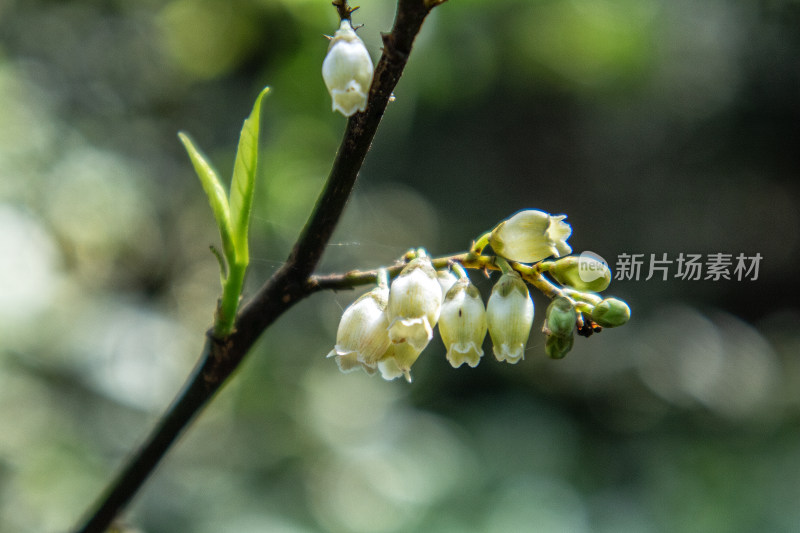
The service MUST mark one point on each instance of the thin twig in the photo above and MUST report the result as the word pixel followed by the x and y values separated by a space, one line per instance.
pixel 287 286
pixel 344 10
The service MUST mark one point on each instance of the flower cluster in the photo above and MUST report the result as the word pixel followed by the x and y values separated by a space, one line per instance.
pixel 386 329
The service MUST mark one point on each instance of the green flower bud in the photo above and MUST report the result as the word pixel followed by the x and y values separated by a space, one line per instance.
pixel 462 324
pixel 560 319
pixel 415 300
pixel 362 337
pixel 509 315
pixel 611 313
pixel 557 347
pixel 584 273
pixel 530 236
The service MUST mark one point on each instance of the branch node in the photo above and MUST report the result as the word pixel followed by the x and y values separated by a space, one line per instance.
pixel 345 11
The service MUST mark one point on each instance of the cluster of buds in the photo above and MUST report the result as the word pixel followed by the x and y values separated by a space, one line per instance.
pixel 387 328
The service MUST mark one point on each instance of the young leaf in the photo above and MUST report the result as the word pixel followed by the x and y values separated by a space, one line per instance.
pixel 244 177
pixel 215 192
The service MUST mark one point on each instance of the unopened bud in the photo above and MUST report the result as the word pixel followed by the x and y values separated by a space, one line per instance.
pixel 560 318
pixel 557 347
pixel 611 313
pixel 584 272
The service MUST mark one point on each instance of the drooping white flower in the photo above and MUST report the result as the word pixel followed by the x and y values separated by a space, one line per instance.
pixel 362 338
pixel 446 280
pixel 349 363
pixel 397 361
pixel 509 315
pixel 415 300
pixel 530 236
pixel 347 71
pixel 462 324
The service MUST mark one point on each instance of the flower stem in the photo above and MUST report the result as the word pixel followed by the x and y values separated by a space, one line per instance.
pixel 481 243
pixel 579 296
pixel 505 268
pixel 583 307
pixel 468 260
pixel 459 270
pixel 383 278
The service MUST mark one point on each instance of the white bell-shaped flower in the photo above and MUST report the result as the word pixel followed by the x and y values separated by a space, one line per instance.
pixel 530 236
pixel 362 338
pixel 347 71
pixel 462 324
pixel 509 315
pixel 446 280
pixel 398 361
pixel 415 300
pixel 349 363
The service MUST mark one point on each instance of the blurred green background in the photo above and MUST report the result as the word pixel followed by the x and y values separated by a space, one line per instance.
pixel 658 126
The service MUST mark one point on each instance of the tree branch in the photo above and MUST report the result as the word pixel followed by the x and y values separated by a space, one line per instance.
pixel 349 280
pixel 287 286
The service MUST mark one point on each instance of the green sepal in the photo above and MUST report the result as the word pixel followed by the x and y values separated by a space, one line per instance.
pixel 243 182
pixel 215 192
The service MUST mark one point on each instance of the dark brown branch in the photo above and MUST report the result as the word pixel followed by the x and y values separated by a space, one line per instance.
pixel 360 132
pixel 286 287
pixel 190 400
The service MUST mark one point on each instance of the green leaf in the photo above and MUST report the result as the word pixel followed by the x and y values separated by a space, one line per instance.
pixel 215 192
pixel 244 178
